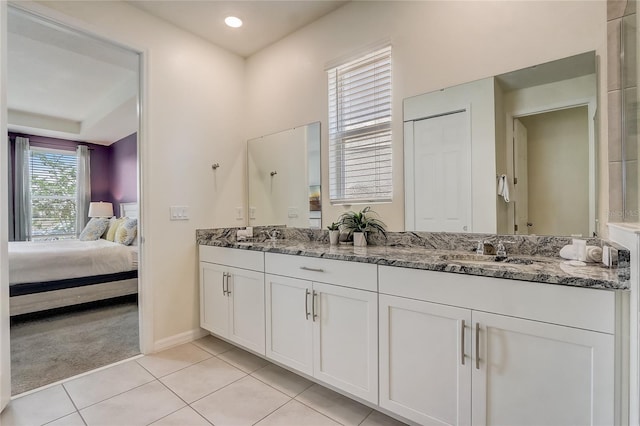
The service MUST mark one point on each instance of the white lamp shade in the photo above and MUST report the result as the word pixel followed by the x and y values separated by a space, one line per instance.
pixel 100 209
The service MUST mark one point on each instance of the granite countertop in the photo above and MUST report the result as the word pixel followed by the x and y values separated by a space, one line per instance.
pixel 536 268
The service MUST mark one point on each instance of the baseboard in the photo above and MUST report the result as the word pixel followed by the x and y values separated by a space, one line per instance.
pixel 179 339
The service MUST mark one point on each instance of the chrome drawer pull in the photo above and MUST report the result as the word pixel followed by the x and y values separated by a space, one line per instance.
pixel 306 304
pixel 462 343
pixel 313 306
pixel 477 346
pixel 228 276
pixel 306 268
pixel 224 276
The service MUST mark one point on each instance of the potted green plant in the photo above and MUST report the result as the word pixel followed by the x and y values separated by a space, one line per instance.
pixel 360 224
pixel 334 233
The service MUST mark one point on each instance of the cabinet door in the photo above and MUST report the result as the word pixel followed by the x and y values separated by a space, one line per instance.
pixel 246 308
pixel 345 343
pixel 425 361
pixel 533 373
pixel 288 322
pixel 214 313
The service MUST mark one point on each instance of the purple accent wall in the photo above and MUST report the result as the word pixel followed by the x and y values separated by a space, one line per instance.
pixel 113 168
pixel 124 171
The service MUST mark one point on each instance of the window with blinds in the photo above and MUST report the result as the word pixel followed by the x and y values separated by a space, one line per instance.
pixel 53 193
pixel 360 130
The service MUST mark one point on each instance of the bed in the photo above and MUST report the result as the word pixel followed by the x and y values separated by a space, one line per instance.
pixel 47 275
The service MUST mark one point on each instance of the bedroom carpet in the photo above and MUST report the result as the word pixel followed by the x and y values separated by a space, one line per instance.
pixel 45 350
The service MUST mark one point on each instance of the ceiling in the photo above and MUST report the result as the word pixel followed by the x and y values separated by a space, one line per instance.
pixel 68 85
pixel 265 22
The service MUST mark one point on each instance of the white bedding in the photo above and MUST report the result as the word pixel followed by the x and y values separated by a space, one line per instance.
pixel 56 260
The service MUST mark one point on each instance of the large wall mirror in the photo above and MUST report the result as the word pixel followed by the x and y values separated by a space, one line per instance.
pixel 509 154
pixel 284 178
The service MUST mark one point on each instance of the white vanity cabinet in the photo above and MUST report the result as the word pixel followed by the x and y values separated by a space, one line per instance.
pixel 322 320
pixel 457 349
pixel 232 295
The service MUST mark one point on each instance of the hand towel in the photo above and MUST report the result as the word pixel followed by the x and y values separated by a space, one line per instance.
pixel 503 187
pixel 568 252
pixel 594 254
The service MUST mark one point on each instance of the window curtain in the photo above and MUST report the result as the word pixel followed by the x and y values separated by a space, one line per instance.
pixel 83 188
pixel 12 231
pixel 22 191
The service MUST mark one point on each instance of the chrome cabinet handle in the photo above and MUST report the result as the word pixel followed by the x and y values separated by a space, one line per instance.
pixel 477 346
pixel 313 306
pixel 306 268
pixel 306 304
pixel 224 276
pixel 462 343
pixel 228 276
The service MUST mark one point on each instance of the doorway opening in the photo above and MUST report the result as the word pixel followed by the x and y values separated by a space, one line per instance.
pixel 551 163
pixel 73 250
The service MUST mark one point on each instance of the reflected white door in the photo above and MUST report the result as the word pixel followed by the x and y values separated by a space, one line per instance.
pixel 521 180
pixel 5 357
pixel 442 170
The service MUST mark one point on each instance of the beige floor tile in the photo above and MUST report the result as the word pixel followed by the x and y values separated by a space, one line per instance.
pixel 244 360
pixel 198 380
pixel 174 359
pixel 104 384
pixel 376 418
pixel 283 380
pixel 186 416
pixel 332 404
pixel 295 413
pixel 241 403
pixel 70 420
pixel 140 406
pixel 213 345
pixel 38 408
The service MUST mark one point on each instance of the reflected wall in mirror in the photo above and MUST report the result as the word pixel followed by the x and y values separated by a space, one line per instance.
pixel 284 178
pixel 534 128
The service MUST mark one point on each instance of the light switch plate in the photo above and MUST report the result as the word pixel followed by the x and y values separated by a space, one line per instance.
pixel 179 213
pixel 239 214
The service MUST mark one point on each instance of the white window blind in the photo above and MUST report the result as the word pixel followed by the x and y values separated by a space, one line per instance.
pixel 360 130
pixel 53 193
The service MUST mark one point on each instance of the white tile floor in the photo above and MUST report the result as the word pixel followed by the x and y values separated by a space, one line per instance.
pixel 201 383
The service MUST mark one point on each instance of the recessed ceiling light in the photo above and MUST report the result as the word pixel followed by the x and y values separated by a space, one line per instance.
pixel 233 22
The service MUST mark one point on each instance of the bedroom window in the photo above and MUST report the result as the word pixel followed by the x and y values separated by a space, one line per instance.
pixel 360 167
pixel 53 178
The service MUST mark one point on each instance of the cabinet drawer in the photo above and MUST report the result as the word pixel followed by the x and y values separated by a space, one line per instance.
pixel 238 258
pixel 349 274
pixel 590 309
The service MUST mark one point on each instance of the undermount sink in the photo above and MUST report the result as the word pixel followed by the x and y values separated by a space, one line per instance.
pixel 484 258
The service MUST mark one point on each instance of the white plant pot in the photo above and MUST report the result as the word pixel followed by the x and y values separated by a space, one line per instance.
pixel 334 236
pixel 359 239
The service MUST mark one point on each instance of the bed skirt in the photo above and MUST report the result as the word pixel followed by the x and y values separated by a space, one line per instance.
pixel 34 297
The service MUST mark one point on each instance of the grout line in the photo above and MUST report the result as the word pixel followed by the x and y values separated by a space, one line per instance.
pixel 276 409
pixel 268 384
pixel 118 394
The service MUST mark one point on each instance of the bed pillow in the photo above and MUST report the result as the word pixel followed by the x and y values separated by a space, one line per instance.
pixel 94 229
pixel 114 224
pixel 127 231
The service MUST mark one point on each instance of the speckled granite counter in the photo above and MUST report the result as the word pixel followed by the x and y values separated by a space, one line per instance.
pixel 455 257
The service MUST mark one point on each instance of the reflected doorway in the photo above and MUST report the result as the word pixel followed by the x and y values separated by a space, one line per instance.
pixel 551 167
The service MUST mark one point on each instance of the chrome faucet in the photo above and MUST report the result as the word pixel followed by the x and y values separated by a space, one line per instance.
pixel 501 250
pixel 273 234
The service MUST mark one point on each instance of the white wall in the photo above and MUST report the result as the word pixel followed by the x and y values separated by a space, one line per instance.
pixel 193 108
pixel 436 44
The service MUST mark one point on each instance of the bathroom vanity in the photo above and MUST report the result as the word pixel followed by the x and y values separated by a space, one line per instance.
pixel 434 336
